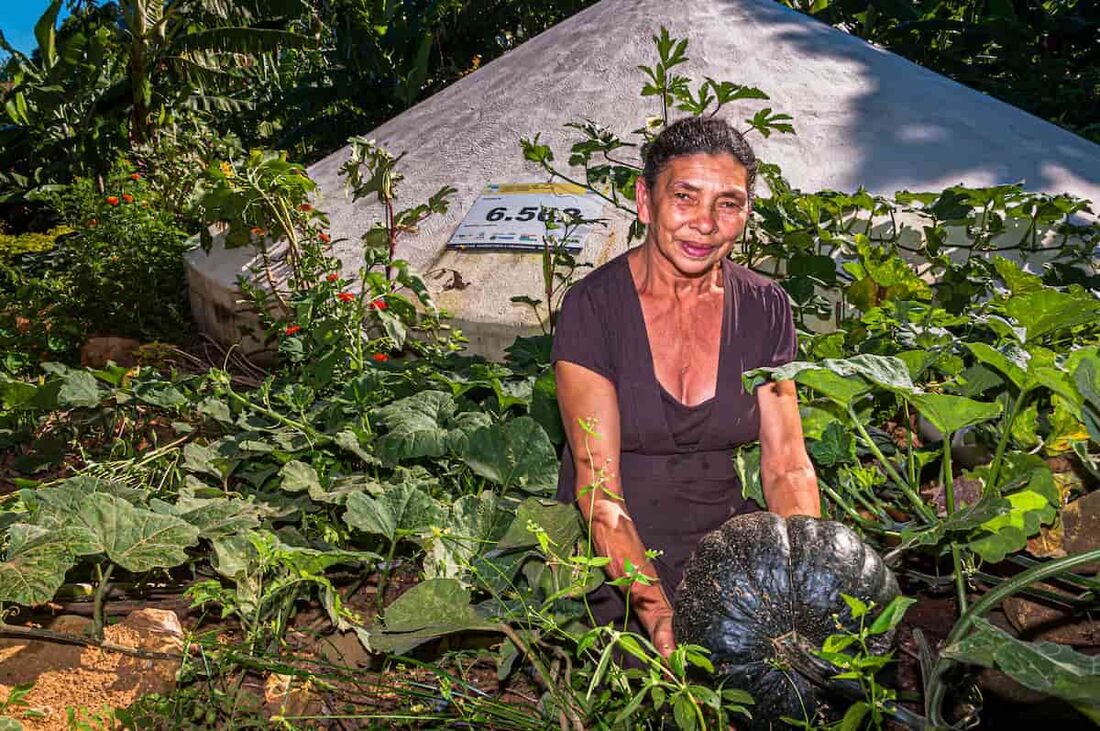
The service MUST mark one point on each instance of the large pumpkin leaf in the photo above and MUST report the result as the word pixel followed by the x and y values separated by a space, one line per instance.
pixel 34 575
pixel 430 609
pixel 78 388
pixel 61 502
pixel 840 380
pixel 298 476
pixel 467 531
pixel 1046 667
pixel 424 425
pixel 1044 311
pixel 136 539
pixel 950 413
pixel 1087 380
pixel 560 522
pixel 1009 364
pixel 214 517
pixel 514 454
pixel 400 510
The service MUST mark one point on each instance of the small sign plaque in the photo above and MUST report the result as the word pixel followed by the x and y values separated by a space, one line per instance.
pixel 512 217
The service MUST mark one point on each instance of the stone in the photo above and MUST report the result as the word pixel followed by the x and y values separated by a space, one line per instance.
pixel 863 116
pixel 97 351
pixel 344 649
pixel 1035 621
pixel 1081 528
pixel 89 678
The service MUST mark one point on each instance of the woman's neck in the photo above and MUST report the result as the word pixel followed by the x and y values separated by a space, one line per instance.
pixel 655 275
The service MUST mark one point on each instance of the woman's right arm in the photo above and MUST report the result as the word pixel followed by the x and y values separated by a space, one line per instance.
pixel 585 395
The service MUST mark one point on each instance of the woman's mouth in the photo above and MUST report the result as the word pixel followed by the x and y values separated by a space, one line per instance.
pixel 696 251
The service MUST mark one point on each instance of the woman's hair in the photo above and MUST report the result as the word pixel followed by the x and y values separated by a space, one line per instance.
pixel 694 136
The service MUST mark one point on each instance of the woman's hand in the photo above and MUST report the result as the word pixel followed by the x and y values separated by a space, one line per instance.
pixel 662 636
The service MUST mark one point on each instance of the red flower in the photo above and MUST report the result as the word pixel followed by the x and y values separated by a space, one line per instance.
pixel 305 207
pixel 93 222
pixel 378 305
pixel 345 297
pixel 135 176
pixel 112 200
pixel 292 329
pixel 333 277
pixel 257 231
pixel 380 357
pixel 127 197
pixel 325 238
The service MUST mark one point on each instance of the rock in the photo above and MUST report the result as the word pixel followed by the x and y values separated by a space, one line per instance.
pixel 1035 621
pixel 1081 528
pixel 97 351
pixel 90 678
pixel 345 649
pixel 287 695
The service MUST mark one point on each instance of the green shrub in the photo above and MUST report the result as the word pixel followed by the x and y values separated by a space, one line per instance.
pixel 118 270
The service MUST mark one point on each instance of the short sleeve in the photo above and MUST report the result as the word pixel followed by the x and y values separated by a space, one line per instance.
pixel 782 338
pixel 580 335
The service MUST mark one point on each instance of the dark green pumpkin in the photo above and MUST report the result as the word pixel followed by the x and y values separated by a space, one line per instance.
pixel 760 591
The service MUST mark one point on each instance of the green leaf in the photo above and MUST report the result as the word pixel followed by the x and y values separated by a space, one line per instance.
pixel 840 380
pixel 214 517
pixel 836 446
pixel 1008 532
pixel 465 534
pixel 561 523
pixel 991 356
pixel 516 453
pixel 298 477
pixel 853 717
pixel 425 425
pixel 78 388
pixel 198 458
pixel 34 575
pixel 159 394
pixel 136 539
pixel 1087 380
pixel 1045 667
pixel 746 460
pixel 891 615
pixel 401 509
pixel 950 413
pixel 1045 311
pixel 683 713
pixel 431 609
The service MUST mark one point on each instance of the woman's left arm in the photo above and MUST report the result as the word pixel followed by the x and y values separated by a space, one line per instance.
pixel 790 485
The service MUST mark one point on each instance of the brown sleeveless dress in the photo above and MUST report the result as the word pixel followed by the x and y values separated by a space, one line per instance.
pixel 676 466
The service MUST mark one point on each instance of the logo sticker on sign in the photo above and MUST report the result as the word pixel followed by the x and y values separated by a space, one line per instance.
pixel 513 216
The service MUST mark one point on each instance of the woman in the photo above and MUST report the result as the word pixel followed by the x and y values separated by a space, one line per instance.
pixel 648 354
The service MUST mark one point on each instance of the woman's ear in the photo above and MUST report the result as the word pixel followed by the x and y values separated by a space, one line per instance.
pixel 641 196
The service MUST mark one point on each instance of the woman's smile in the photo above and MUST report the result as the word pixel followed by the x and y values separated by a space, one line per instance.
pixel 696 250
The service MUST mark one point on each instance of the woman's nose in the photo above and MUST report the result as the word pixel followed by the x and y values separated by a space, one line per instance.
pixel 705 222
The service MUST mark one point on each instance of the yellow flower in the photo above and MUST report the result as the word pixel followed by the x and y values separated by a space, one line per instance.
pixel 226 168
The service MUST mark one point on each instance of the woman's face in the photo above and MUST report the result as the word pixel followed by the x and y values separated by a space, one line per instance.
pixel 696 210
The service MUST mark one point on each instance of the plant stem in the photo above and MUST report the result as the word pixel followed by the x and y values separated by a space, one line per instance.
pixel 384 577
pixel 949 496
pixel 103 579
pixel 1002 443
pixel 936 689
pixel 906 489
